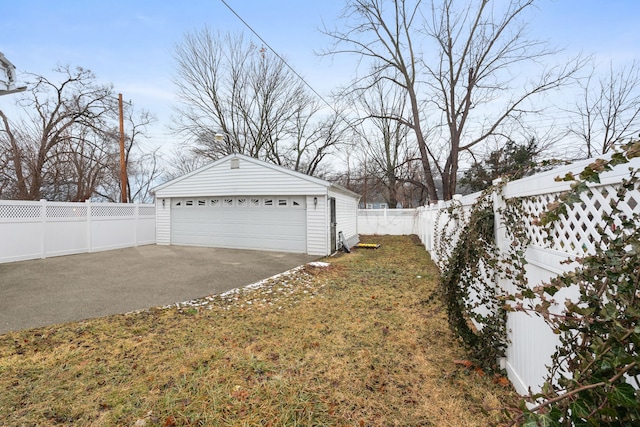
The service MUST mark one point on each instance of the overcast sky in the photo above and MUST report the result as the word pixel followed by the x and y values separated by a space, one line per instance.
pixel 129 43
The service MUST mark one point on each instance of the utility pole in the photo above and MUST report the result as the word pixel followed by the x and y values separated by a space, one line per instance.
pixel 123 165
pixel 365 180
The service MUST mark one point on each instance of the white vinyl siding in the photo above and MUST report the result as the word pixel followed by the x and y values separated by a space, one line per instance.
pixel 317 226
pixel 346 216
pixel 163 221
pixel 250 178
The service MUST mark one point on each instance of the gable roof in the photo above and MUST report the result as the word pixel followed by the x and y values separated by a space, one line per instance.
pixel 252 177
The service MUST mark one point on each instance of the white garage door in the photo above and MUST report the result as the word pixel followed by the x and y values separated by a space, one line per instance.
pixel 267 223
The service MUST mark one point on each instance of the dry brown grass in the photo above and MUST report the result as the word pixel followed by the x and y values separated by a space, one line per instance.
pixel 354 344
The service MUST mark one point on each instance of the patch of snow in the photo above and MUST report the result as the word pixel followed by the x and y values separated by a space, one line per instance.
pixel 318 264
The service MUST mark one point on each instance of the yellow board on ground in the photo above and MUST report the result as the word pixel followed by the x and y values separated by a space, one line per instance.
pixel 368 245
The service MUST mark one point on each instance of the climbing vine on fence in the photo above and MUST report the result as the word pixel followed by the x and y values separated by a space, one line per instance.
pixel 595 372
pixel 471 271
pixel 594 375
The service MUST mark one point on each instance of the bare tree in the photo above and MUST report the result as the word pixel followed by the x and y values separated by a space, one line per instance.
pixel 314 138
pixel 55 111
pixel 386 140
pixel 385 39
pixel 463 82
pixel 182 163
pixel 233 87
pixel 82 162
pixel 142 164
pixel 13 158
pixel 608 111
pixel 65 146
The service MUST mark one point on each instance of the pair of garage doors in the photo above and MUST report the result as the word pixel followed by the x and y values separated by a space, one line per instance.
pixel 276 223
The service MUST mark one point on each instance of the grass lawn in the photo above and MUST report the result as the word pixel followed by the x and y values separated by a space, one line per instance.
pixel 358 343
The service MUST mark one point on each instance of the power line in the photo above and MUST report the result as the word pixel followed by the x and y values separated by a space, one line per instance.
pixel 339 114
pixel 538 122
pixel 246 24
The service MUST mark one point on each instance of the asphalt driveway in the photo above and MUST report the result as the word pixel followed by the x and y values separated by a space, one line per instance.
pixel 77 287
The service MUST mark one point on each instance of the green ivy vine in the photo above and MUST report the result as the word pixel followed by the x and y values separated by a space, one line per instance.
pixel 594 376
pixel 471 274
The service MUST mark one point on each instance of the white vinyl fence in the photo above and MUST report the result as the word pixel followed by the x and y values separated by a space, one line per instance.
pixel 531 342
pixel 31 230
pixel 387 221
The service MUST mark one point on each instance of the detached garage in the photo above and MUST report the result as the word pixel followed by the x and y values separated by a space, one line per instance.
pixel 245 203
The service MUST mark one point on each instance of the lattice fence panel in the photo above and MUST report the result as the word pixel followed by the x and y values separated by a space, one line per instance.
pixel 66 212
pixel 19 211
pixel 578 232
pixel 401 212
pixel 147 210
pixel 113 211
pixel 387 212
pixel 533 208
pixel 371 212
pixel 447 228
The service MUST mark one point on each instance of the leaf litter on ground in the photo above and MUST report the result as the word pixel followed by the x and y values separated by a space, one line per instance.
pixel 357 340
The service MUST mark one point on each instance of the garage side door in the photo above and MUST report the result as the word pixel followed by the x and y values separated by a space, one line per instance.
pixel 266 223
